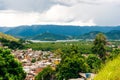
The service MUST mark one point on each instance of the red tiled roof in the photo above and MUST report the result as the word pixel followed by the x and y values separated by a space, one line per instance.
pixel 38 70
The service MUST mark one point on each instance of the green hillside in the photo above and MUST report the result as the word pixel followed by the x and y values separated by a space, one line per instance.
pixel 90 35
pixel 11 42
pixel 50 37
pixel 113 34
pixel 111 71
pixel 8 37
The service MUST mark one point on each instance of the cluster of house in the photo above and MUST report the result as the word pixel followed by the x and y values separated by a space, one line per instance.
pixel 34 61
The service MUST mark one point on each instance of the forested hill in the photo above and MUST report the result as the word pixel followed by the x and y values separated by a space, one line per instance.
pixel 50 37
pixel 10 42
pixel 5 29
pixel 33 30
pixel 114 35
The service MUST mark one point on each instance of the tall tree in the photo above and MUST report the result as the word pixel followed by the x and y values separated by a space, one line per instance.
pixel 71 67
pixel 10 68
pixel 71 64
pixel 100 45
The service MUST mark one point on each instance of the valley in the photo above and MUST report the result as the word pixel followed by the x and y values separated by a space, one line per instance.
pixel 50 53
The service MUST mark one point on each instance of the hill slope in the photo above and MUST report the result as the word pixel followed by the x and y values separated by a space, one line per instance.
pixel 4 29
pixel 90 35
pixel 113 34
pixel 111 71
pixel 8 37
pixel 50 37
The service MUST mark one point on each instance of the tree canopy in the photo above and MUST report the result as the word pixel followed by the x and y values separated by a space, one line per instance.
pixel 99 47
pixel 12 44
pixel 71 64
pixel 10 68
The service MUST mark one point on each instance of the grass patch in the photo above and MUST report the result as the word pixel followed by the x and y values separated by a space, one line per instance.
pixel 8 37
pixel 110 71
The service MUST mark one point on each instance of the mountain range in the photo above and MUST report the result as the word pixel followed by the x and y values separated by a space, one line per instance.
pixel 58 32
pixel 4 29
pixel 113 34
pixel 50 37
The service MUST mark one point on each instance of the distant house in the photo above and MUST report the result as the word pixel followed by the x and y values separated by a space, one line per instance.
pixel 1 44
pixel 32 69
pixel 38 70
pixel 85 76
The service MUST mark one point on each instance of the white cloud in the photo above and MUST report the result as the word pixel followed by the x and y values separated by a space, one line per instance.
pixel 27 5
pixel 74 2
pixel 16 18
pixel 58 13
pixel 61 12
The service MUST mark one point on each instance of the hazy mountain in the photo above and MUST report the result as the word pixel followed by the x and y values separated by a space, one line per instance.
pixel 90 35
pixel 37 31
pixel 25 31
pixel 50 37
pixel 4 29
pixel 113 34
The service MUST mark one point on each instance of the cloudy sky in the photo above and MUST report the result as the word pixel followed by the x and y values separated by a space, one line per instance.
pixel 61 12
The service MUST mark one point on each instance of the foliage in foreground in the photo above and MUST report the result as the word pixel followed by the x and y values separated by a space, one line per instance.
pixel 46 74
pixel 73 61
pixel 10 68
pixel 12 44
pixel 70 67
pixel 110 71
pixel 94 63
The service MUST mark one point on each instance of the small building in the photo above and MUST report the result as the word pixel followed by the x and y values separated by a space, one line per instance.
pixel 1 44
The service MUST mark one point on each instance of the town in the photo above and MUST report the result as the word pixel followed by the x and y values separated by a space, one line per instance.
pixel 35 61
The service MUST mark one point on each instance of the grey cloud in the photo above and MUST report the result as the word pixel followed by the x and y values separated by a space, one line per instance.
pixel 102 12
pixel 108 15
pixel 43 5
pixel 2 6
pixel 74 2
pixel 89 2
pixel 28 5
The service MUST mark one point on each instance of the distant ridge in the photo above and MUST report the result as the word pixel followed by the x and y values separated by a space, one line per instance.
pixel 90 35
pixel 50 37
pixel 25 31
pixel 5 29
pixel 84 32
pixel 113 34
